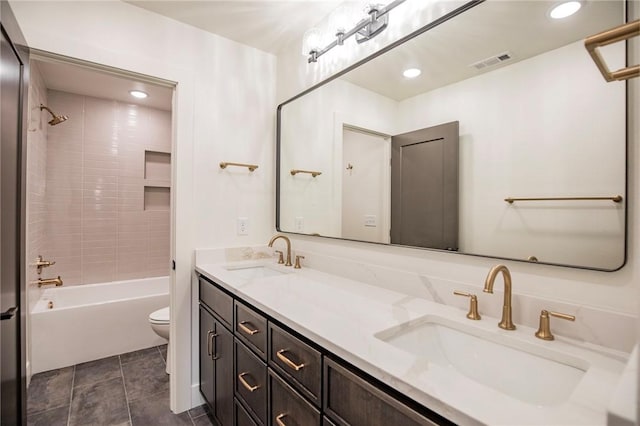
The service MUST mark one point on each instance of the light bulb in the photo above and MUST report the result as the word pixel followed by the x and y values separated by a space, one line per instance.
pixel 311 41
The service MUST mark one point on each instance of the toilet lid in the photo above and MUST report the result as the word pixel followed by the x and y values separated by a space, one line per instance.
pixel 161 315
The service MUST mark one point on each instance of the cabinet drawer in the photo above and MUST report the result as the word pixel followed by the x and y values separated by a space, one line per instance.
pixel 288 408
pixel 251 327
pixel 251 381
pixel 350 400
pixel 242 417
pixel 219 301
pixel 296 361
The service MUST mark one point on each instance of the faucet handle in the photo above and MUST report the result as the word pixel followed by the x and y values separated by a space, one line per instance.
pixel 280 257
pixel 297 265
pixel 544 329
pixel 473 304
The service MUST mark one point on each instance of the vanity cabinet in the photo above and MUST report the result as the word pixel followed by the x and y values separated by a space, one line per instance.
pixel 254 370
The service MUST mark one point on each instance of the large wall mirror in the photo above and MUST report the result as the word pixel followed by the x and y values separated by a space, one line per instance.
pixel 509 105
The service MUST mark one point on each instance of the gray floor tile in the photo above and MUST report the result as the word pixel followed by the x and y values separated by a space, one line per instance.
pixel 138 355
pixel 155 411
pixel 204 420
pixel 102 403
pixel 163 351
pixel 145 377
pixel 55 417
pixel 89 373
pixel 199 411
pixel 50 389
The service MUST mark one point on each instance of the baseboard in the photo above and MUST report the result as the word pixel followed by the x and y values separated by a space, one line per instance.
pixel 196 398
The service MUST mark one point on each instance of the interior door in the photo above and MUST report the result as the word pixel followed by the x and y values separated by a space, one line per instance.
pixel 12 373
pixel 424 187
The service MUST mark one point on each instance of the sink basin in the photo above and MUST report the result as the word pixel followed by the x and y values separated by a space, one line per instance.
pixel 253 272
pixel 530 373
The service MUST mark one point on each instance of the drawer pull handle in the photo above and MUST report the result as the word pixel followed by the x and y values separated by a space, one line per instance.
pixel 209 342
pixel 293 365
pixel 246 329
pixel 246 384
pixel 279 418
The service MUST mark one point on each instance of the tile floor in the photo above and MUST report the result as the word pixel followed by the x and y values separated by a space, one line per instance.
pixel 129 389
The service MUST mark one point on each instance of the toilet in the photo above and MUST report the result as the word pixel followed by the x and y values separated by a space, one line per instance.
pixel 159 321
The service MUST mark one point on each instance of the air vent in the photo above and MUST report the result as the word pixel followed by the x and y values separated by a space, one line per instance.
pixel 491 61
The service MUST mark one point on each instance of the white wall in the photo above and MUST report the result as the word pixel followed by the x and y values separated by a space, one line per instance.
pixel 610 291
pixel 318 200
pixel 222 112
pixel 528 149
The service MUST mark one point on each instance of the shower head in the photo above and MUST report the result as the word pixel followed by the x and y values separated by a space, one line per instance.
pixel 57 119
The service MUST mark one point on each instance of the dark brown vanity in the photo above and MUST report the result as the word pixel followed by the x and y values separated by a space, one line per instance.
pixel 255 370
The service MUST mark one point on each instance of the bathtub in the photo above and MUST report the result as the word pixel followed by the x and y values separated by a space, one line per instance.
pixel 93 321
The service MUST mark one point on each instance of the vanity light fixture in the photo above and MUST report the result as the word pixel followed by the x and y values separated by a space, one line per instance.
pixel 367 28
pixel 138 94
pixel 411 72
pixel 566 9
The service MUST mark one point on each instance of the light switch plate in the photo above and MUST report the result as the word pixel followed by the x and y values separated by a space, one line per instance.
pixel 299 224
pixel 370 220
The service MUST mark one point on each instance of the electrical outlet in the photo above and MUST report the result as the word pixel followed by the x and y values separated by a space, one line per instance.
pixel 370 220
pixel 299 224
pixel 243 226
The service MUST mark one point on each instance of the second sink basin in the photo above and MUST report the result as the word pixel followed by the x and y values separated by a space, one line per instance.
pixel 529 373
pixel 252 272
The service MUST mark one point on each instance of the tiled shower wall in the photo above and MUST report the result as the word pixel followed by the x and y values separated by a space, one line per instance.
pixel 97 227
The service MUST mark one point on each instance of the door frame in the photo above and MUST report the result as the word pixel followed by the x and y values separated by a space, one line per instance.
pixel 9 26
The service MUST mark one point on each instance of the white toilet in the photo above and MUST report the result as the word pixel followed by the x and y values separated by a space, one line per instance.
pixel 159 321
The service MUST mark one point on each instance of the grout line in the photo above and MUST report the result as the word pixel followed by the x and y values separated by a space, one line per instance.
pixel 73 380
pixel 126 396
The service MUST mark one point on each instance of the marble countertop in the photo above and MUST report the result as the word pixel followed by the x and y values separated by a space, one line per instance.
pixel 344 316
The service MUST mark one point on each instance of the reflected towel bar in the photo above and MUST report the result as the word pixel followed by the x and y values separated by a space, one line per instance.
pixel 311 172
pixel 614 35
pixel 251 167
pixel 615 199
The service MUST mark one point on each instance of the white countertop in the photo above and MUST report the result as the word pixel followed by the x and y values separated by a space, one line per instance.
pixel 344 316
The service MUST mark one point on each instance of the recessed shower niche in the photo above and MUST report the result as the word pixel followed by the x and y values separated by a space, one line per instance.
pixel 157 178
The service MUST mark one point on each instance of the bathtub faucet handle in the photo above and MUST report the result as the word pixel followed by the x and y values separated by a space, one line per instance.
pixel 49 281
pixel 41 263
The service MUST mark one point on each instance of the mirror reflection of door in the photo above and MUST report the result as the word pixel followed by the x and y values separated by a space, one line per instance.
pixel 424 187
pixel 365 185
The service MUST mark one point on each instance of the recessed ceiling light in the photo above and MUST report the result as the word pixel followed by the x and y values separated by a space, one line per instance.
pixel 138 94
pixel 565 9
pixel 412 72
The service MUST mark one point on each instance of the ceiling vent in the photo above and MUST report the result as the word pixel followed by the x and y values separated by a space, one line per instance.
pixel 492 61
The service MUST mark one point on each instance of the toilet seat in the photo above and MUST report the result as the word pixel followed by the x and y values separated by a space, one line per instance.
pixel 161 316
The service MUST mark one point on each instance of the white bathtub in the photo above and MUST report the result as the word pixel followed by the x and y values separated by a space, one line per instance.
pixel 93 321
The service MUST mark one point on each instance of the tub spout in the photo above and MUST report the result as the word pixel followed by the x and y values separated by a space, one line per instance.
pixel 49 281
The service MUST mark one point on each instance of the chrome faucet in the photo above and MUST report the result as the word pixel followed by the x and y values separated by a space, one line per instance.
pixel 506 322
pixel 275 237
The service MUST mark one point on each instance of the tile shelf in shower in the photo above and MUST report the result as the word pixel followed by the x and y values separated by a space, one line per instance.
pixel 157 183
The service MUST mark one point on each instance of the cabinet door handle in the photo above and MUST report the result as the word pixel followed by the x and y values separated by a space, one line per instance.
pixel 209 342
pixel 287 361
pixel 214 345
pixel 246 329
pixel 279 418
pixel 246 385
